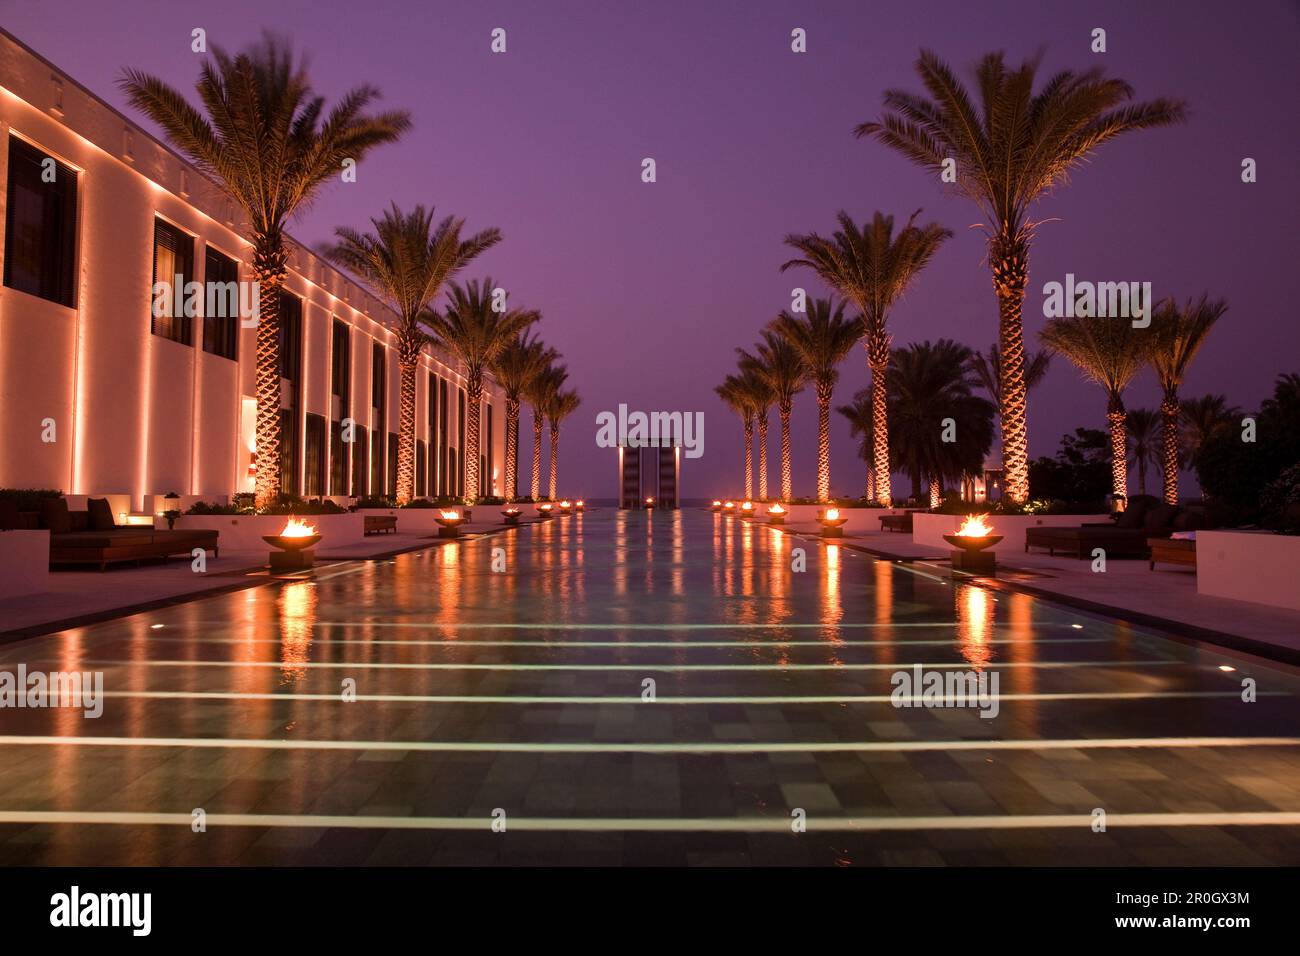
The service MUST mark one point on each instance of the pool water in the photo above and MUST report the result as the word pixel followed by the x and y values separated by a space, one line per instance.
pixel 633 688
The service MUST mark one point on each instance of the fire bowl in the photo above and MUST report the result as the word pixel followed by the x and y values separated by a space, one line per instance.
pixel 969 542
pixel 285 542
pixel 511 516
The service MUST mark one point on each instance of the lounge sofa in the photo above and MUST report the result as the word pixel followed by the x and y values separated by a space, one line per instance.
pixel 93 537
pixel 900 523
pixel 379 524
pixel 1125 537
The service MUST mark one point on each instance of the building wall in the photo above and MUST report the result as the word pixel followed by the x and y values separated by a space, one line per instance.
pixel 136 413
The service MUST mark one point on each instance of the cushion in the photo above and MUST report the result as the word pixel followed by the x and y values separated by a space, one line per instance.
pixel 1190 520
pixel 101 514
pixel 1131 517
pixel 1160 518
pixel 9 515
pixel 54 515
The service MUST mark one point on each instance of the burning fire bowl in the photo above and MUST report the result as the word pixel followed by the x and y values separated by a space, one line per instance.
pixel 833 527
pixel 448 525
pixel 511 516
pixel 776 517
pixel 972 542
pixel 294 552
pixel 292 542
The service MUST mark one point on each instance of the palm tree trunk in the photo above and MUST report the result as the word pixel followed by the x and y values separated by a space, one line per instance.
pixel 878 360
pixel 936 492
pixel 473 408
pixel 871 483
pixel 823 442
pixel 762 457
pixel 1169 446
pixel 512 447
pixel 1118 446
pixel 787 488
pixel 555 457
pixel 537 453
pixel 408 361
pixel 269 272
pixel 1009 257
pixel 1142 472
pixel 749 458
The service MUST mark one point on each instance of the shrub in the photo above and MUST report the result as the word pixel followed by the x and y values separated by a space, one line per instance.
pixel 216 508
pixel 29 499
pixel 1280 501
pixel 375 501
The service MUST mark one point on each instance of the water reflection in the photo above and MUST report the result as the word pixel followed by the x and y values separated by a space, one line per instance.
pixel 975 609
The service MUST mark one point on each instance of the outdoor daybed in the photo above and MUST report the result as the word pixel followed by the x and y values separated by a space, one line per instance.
pixel 1125 537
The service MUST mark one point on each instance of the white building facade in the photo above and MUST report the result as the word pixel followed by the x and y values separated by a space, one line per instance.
pixel 100 397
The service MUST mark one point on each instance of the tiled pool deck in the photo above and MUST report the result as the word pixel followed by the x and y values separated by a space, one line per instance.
pixel 517 694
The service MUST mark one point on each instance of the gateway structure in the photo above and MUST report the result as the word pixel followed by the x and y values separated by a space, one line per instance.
pixel 102 396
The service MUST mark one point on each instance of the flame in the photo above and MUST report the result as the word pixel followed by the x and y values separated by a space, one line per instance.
pixel 650 501
pixel 832 514
pixel 566 504
pixel 776 509
pixel 580 503
pixel 717 504
pixel 297 529
pixel 450 515
pixel 729 504
pixel 975 527
pixel 544 507
pixel 747 506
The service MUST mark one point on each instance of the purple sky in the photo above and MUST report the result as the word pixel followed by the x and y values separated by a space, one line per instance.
pixel 648 288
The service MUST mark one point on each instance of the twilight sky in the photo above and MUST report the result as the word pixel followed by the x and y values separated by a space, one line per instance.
pixel 648 288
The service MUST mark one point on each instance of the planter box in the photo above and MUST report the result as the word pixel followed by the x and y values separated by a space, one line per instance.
pixel 928 529
pixel 24 563
pixel 1249 566
pixel 244 532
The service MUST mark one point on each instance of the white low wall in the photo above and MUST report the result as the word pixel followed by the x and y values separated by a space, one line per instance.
pixel 1249 566
pixel 24 563
pixel 928 529
pixel 244 532
pixel 860 519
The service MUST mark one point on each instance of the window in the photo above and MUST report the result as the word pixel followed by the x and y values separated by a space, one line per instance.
pixel 444 481
pixel 392 464
pixel 433 445
pixel 314 473
pixel 421 468
pixel 173 269
pixel 40 225
pixel 288 452
pixel 338 460
pixel 221 304
pixel 460 443
pixel 378 383
pixel 485 471
pixel 290 336
pixel 341 364
pixel 377 462
pixel 358 453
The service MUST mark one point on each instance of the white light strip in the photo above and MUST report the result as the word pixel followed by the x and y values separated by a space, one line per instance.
pixel 776 824
pixel 741 644
pixel 657 668
pixel 428 625
pixel 701 747
pixel 660 699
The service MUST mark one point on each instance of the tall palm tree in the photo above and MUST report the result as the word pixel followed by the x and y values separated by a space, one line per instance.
pixel 472 329
pixel 778 364
pixel 737 394
pixel 871 268
pixel 988 370
pixel 563 403
pixel 764 398
pixel 1200 418
pixel 406 260
pixel 264 135
pixel 515 369
pixel 931 382
pixel 1179 334
pixel 1142 425
pixel 823 337
pixel 1108 351
pixel 859 417
pixel 1008 154
pixel 539 393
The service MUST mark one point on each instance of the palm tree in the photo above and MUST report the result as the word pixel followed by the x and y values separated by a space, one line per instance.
pixel 515 369
pixel 736 393
pixel 1108 351
pixel 1141 424
pixel 764 396
pixel 1178 335
pixel 872 268
pixel 473 329
pixel 822 336
pixel 778 364
pixel 1008 155
pixel 859 417
pixel 264 135
pixel 1201 418
pixel 562 404
pixel 930 384
pixel 988 369
pixel 539 392
pixel 406 260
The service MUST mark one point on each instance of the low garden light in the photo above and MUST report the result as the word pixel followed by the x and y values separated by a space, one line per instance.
pixel 448 524
pixel 776 514
pixel 970 542
pixel 545 509
pixel 728 507
pixel 511 514
pixel 580 506
pixel 747 509
pixel 566 507
pixel 650 503
pixel 715 507
pixel 295 547
pixel 832 523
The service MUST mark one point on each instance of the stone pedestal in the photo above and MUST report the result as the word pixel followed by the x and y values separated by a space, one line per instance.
pixel 975 562
pixel 288 562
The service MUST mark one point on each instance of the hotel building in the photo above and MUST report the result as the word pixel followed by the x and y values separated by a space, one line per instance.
pixel 100 396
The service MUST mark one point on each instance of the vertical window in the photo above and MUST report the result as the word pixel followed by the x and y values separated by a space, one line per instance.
pixel 220 304
pixel 432 488
pixel 460 443
pixel 173 269
pixel 338 460
pixel 444 473
pixel 341 364
pixel 288 452
pixel 314 472
pixel 290 336
pixel 485 473
pixel 392 464
pixel 40 225
pixel 378 423
pixel 421 468
pixel 376 462
pixel 358 452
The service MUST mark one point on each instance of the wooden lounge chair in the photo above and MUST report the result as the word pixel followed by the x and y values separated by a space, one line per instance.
pixel 1172 551
pixel 380 524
